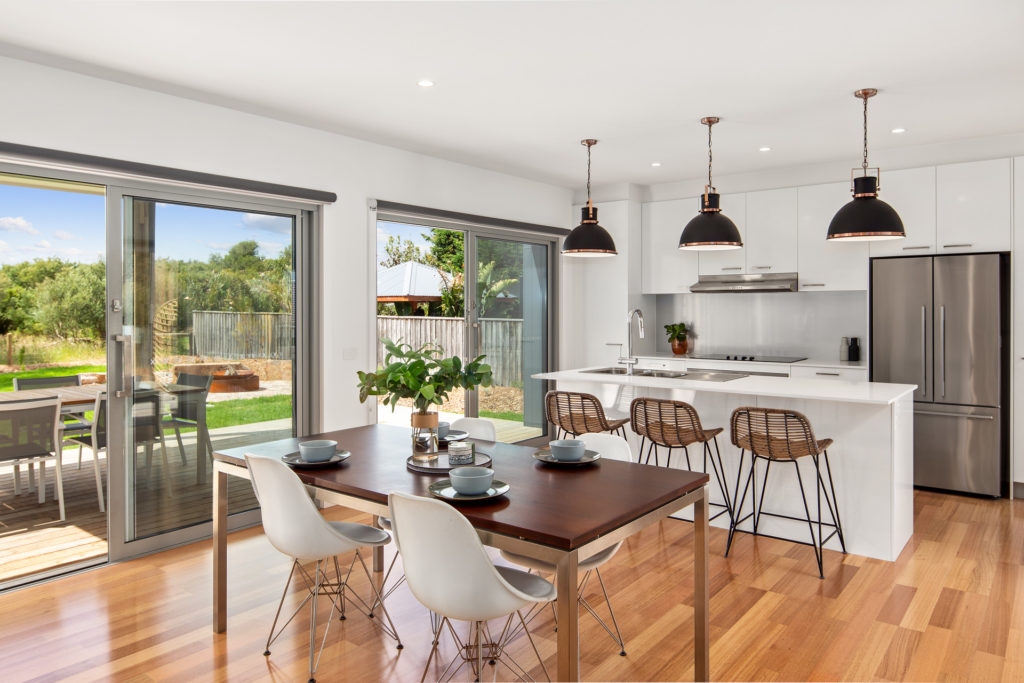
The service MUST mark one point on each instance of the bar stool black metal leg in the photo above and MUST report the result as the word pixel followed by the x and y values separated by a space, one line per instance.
pixel 737 520
pixel 810 525
pixel 719 474
pixel 834 505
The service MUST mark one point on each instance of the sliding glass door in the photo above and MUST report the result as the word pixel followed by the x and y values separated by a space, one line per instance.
pixel 471 289
pixel 509 323
pixel 205 352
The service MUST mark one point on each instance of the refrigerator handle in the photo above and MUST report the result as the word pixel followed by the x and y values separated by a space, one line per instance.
pixel 942 347
pixel 924 350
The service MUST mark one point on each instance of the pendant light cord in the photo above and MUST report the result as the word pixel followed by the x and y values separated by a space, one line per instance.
pixel 864 164
pixel 588 174
pixel 710 184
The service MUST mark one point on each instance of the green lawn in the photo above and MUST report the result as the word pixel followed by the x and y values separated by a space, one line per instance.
pixel 502 415
pixel 7 379
pixel 245 411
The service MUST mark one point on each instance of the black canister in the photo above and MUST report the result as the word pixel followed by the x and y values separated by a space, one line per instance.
pixel 854 354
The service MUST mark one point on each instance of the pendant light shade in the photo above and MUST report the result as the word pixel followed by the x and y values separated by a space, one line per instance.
pixel 866 217
pixel 710 229
pixel 589 239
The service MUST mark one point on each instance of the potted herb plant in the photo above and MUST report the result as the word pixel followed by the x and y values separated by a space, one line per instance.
pixel 424 375
pixel 678 338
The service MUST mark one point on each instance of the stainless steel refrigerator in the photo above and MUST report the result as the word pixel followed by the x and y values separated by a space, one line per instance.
pixel 941 322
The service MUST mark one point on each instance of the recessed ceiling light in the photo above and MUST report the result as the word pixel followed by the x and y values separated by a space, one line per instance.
pixel 655 164
pixel 764 149
pixel 899 130
pixel 426 83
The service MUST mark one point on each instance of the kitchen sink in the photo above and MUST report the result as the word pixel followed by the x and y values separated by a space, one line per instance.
pixel 695 374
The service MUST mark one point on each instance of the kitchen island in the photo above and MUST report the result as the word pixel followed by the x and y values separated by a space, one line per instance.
pixel 871 424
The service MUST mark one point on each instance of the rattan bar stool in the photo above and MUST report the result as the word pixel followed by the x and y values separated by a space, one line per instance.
pixel 664 423
pixel 574 413
pixel 783 436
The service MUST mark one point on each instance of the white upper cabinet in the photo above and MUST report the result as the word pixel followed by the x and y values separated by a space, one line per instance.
pixel 726 261
pixel 666 269
pixel 827 264
pixel 911 192
pixel 974 206
pixel 771 239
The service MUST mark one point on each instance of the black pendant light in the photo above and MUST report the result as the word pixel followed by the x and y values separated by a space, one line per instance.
pixel 866 217
pixel 710 230
pixel 588 238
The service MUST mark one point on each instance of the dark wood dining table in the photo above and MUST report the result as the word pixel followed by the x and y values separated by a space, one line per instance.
pixel 557 514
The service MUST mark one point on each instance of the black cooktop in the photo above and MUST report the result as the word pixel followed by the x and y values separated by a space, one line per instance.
pixel 756 358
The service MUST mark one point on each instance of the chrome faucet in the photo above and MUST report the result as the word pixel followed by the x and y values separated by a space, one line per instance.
pixel 630 360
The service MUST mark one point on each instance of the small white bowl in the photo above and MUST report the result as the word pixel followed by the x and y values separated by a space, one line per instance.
pixel 471 481
pixel 567 449
pixel 319 450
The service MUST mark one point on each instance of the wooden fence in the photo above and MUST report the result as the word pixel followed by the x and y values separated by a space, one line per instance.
pixel 501 341
pixel 232 335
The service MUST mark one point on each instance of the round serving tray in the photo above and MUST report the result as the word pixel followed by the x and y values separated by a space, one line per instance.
pixel 442 466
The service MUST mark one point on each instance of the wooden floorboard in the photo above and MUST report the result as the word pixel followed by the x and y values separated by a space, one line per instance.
pixel 950 608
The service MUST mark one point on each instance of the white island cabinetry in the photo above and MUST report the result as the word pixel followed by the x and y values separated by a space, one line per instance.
pixel 871 457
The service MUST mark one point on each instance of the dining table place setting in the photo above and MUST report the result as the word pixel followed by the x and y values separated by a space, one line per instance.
pixel 566 453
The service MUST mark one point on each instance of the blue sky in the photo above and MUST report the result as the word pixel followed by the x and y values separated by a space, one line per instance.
pixel 39 223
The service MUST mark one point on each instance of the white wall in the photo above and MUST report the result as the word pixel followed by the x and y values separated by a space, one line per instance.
pixel 48 107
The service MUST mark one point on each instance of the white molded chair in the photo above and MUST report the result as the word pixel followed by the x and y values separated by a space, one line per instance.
pixel 609 446
pixel 296 528
pixel 449 572
pixel 29 435
pixel 477 428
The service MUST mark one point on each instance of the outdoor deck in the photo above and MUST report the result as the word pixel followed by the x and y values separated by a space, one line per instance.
pixel 33 540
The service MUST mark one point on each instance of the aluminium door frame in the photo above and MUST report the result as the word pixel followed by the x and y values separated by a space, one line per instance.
pixel 306 388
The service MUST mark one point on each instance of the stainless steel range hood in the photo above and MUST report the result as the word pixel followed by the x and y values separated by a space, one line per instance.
pixel 767 282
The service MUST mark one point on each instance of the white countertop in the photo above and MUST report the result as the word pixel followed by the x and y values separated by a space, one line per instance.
pixel 810 362
pixel 819 389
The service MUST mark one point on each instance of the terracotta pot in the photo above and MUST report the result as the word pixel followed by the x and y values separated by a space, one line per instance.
pixel 680 347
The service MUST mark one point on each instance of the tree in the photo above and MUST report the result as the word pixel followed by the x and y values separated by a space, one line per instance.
pixel 489 287
pixel 14 302
pixel 398 250
pixel 447 250
pixel 71 304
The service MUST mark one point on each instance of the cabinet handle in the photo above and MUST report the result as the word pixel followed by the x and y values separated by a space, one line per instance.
pixel 812 284
pixel 922 246
pixel 762 267
pixel 958 246
pixel 830 374
pixel 966 417
pixel 733 268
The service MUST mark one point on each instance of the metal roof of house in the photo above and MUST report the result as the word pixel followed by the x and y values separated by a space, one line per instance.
pixel 409 281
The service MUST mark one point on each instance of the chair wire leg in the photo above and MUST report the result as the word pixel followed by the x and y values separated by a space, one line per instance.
pixel 617 636
pixel 389 627
pixel 764 487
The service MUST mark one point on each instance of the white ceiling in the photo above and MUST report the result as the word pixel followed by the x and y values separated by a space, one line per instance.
pixel 518 84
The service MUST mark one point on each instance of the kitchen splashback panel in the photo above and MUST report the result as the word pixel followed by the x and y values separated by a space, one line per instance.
pixel 802 323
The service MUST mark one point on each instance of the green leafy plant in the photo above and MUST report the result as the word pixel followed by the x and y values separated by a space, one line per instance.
pixel 424 375
pixel 676 331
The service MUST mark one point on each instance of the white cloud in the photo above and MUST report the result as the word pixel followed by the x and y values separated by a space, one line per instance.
pixel 17 224
pixel 63 235
pixel 42 244
pixel 219 246
pixel 265 222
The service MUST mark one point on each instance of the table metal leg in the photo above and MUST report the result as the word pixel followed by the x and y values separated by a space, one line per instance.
pixel 568 609
pixel 220 550
pixel 701 593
